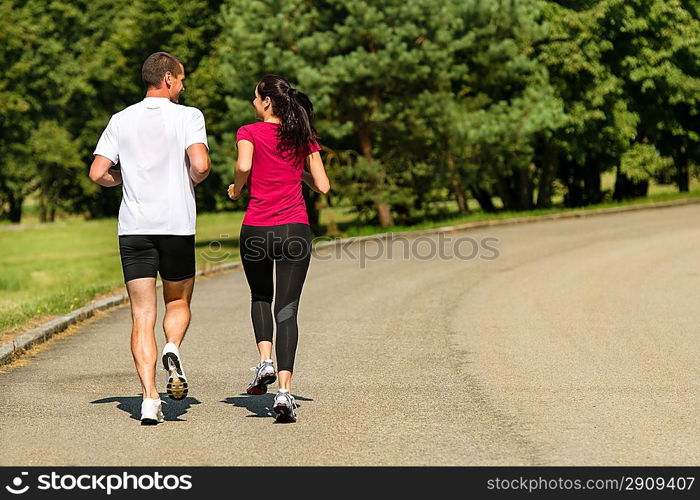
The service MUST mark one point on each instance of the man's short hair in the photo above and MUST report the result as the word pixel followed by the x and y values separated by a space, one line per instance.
pixel 157 65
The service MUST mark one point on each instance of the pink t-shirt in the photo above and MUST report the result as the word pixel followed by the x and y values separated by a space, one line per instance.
pixel 274 183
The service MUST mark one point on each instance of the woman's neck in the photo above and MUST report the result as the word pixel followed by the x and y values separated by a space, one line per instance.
pixel 271 119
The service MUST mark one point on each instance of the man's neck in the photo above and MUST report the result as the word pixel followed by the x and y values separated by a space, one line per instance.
pixel 158 93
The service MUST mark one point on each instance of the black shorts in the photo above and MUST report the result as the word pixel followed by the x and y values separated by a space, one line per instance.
pixel 144 255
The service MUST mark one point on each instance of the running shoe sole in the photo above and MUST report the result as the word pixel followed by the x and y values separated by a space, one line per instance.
pixel 284 414
pixel 177 385
pixel 261 388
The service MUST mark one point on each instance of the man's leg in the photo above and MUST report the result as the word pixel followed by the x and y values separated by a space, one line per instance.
pixel 177 270
pixel 142 292
pixel 177 296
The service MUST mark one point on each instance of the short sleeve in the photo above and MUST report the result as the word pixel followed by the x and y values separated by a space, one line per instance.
pixel 196 131
pixel 313 146
pixel 108 145
pixel 244 134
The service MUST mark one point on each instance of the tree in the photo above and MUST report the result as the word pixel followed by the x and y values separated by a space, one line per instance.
pixel 121 34
pixel 16 173
pixel 656 54
pixel 59 169
pixel 599 125
pixel 627 72
pixel 417 102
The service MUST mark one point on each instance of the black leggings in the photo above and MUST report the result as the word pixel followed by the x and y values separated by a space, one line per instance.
pixel 289 245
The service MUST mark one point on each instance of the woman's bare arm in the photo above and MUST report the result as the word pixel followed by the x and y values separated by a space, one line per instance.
pixel 316 177
pixel 243 166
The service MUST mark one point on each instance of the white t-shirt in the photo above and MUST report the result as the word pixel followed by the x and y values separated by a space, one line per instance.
pixel 150 140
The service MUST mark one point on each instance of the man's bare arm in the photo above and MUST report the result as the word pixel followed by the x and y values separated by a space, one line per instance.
pixel 200 164
pixel 102 173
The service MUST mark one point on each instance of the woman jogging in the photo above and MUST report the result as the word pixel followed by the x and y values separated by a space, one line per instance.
pixel 272 154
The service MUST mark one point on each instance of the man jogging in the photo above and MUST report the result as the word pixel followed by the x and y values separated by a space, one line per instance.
pixel 163 152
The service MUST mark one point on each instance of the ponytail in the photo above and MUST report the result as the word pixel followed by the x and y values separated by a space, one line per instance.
pixel 296 113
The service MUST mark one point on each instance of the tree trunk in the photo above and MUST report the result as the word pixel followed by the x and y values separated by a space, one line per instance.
pixel 462 204
pixel 15 212
pixel 418 200
pixel 682 171
pixel 384 214
pixel 627 188
pixel 572 177
pixel 504 192
pixel 591 182
pixel 383 209
pixel 457 187
pixel 523 189
pixel 43 211
pixel 549 169
pixel 484 198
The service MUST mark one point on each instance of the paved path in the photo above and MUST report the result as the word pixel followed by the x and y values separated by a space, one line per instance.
pixel 578 345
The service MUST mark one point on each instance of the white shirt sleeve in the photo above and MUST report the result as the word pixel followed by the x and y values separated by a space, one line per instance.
pixel 108 145
pixel 195 129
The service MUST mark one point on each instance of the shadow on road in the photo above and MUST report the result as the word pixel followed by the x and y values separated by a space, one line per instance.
pixel 259 406
pixel 172 410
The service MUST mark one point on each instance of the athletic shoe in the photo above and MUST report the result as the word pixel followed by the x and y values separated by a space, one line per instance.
pixel 264 376
pixel 151 412
pixel 177 382
pixel 283 408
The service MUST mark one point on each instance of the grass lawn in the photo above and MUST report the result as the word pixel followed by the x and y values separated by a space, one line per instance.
pixel 50 269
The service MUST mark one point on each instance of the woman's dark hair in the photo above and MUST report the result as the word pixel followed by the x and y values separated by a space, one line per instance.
pixel 295 111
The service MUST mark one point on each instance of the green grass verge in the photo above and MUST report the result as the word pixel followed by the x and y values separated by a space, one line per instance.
pixel 52 269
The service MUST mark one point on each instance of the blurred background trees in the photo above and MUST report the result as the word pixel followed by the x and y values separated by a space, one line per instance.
pixel 420 105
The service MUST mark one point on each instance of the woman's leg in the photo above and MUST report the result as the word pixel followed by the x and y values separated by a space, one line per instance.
pixel 291 274
pixel 258 267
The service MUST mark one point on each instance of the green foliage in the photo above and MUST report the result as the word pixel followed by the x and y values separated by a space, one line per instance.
pixel 643 162
pixel 417 102
pixel 73 64
pixel 628 74
pixel 59 169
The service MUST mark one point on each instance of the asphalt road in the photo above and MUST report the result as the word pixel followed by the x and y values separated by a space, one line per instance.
pixel 576 345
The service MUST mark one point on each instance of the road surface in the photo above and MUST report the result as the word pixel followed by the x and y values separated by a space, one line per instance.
pixel 576 345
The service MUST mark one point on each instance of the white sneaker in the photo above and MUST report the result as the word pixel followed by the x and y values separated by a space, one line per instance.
pixel 151 412
pixel 264 376
pixel 172 363
pixel 283 407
